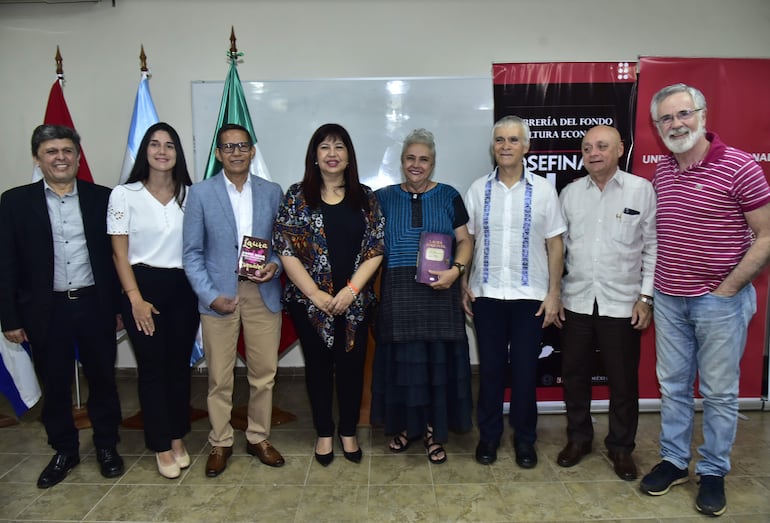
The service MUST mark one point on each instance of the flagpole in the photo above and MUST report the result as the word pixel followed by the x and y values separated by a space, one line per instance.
pixel 239 415
pixel 143 117
pixel 57 113
pixel 79 412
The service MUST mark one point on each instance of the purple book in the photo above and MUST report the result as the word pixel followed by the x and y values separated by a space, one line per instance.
pixel 433 255
pixel 253 255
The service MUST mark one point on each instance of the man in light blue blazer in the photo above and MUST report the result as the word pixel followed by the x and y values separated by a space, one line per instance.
pixel 219 212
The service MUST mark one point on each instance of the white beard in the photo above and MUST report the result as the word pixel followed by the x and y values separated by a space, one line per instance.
pixel 679 145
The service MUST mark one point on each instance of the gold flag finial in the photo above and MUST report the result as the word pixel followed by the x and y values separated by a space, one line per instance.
pixel 233 48
pixel 59 68
pixel 143 60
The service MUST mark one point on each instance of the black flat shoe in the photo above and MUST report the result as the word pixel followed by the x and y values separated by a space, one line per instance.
pixel 57 469
pixel 354 456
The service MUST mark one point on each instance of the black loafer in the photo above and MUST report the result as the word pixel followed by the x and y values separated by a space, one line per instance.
pixel 486 453
pixel 526 457
pixel 110 461
pixel 57 469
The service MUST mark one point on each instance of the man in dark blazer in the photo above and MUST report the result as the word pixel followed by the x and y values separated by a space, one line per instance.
pixel 59 290
pixel 219 212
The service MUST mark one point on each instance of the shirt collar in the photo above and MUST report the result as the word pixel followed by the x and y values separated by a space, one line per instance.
pixel 618 178
pixel 716 150
pixel 230 186
pixel 527 175
pixel 73 192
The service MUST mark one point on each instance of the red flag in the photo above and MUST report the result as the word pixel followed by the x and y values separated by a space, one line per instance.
pixel 57 114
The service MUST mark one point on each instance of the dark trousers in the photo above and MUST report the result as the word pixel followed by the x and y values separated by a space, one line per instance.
pixel 73 327
pixel 163 359
pixel 327 367
pixel 619 345
pixel 507 331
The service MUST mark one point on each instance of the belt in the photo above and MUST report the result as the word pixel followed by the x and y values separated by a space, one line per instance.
pixel 74 294
pixel 244 278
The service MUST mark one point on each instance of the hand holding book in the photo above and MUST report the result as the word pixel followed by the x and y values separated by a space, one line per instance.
pixel 446 278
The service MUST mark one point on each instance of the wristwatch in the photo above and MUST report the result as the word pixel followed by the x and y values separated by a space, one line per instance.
pixel 647 299
pixel 460 266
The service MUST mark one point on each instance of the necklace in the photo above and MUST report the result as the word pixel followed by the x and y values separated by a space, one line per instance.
pixel 163 195
pixel 415 193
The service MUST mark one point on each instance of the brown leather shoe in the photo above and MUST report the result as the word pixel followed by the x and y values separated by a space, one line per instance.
pixel 624 465
pixel 217 460
pixel 573 453
pixel 266 453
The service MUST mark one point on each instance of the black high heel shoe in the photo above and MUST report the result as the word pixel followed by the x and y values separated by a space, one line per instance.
pixel 354 456
pixel 324 459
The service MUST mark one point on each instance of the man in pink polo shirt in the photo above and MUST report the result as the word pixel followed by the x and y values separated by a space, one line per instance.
pixel 713 228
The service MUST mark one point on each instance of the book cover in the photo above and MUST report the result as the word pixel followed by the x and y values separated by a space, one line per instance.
pixel 433 255
pixel 253 255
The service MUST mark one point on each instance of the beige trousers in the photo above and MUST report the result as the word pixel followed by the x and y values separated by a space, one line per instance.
pixel 261 335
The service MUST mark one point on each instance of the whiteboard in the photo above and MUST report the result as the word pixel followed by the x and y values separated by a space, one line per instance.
pixel 377 112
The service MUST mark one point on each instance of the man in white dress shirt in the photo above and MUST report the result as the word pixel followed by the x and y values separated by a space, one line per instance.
pixel 513 288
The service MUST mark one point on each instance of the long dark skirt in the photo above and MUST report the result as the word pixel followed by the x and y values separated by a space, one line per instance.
pixel 416 384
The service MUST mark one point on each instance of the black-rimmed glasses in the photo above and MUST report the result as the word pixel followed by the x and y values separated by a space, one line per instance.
pixel 228 148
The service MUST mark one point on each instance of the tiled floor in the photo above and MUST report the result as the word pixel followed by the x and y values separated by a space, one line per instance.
pixel 384 487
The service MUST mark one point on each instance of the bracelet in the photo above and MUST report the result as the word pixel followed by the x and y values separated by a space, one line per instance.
pixel 126 291
pixel 353 288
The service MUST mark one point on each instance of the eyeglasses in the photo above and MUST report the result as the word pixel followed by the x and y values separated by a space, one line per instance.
pixel 682 116
pixel 228 148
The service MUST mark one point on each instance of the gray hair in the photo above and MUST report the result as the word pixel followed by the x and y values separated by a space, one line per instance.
pixel 509 120
pixel 43 133
pixel 419 136
pixel 697 97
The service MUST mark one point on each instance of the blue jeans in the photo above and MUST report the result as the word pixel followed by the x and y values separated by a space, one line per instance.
pixel 706 334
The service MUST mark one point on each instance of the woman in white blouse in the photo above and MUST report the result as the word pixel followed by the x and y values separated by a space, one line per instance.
pixel 159 308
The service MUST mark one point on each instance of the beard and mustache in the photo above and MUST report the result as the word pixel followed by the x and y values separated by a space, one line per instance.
pixel 673 140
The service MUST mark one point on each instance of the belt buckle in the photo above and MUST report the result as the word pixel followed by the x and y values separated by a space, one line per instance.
pixel 71 294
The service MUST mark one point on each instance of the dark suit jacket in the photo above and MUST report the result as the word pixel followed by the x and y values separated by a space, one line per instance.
pixel 26 258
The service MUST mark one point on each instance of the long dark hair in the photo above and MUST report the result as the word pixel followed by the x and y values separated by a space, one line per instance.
pixel 311 182
pixel 141 170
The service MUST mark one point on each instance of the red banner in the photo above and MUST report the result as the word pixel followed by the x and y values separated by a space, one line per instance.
pixel 739 112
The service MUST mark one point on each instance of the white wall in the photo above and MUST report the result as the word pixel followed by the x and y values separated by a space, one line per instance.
pixel 187 40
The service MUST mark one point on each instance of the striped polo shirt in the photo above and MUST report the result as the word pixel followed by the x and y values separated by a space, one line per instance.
pixel 702 231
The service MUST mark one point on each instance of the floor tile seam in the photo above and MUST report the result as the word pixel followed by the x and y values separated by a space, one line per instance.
pixel 10 470
pixel 39 495
pixel 603 480
pixel 93 507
